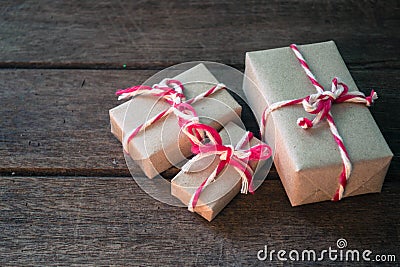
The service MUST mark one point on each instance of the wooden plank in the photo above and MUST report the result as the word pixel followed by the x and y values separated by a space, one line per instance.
pixel 146 34
pixel 106 221
pixel 55 122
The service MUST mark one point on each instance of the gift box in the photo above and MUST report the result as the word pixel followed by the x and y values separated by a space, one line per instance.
pixel 226 185
pixel 162 144
pixel 310 162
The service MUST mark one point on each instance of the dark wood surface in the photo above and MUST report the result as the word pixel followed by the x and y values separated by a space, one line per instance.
pixel 66 195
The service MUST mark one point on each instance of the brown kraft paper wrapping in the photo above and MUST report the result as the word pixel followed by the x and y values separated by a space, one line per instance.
pixel 308 161
pixel 224 188
pixel 162 145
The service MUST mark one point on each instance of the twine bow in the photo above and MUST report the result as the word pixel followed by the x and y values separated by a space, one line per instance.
pixel 320 104
pixel 172 92
pixel 238 157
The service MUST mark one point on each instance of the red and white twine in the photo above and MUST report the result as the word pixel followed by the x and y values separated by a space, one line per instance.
pixel 238 157
pixel 320 105
pixel 172 91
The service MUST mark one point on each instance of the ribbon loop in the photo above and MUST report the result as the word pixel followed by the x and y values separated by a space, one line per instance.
pixel 171 91
pixel 320 104
pixel 238 157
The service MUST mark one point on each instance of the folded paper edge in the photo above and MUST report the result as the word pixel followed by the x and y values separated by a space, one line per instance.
pixel 380 173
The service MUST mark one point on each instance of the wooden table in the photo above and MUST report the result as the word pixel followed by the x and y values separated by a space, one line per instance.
pixel 67 197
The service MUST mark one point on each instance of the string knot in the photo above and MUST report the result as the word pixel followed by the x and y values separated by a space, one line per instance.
pixel 171 91
pixel 226 152
pixel 238 157
pixel 174 99
pixel 320 103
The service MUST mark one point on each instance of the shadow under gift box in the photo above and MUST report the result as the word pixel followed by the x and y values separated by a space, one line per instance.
pixel 163 145
pixel 308 161
pixel 224 188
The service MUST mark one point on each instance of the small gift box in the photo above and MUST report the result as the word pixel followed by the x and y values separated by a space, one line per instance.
pixel 159 143
pixel 342 153
pixel 221 168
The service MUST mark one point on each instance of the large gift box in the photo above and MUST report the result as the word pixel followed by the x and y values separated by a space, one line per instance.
pixel 310 162
pixel 228 183
pixel 162 144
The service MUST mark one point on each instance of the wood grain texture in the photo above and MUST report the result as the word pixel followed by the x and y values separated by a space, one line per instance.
pixel 105 221
pixel 55 122
pixel 148 34
pixel 66 196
